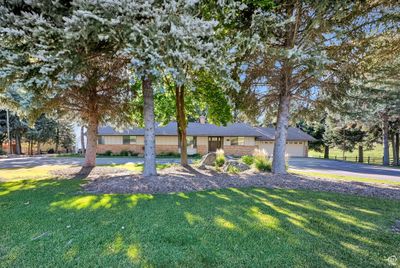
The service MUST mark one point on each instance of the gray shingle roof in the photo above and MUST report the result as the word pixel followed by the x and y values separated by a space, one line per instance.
pixel 194 129
pixel 198 129
pixel 294 134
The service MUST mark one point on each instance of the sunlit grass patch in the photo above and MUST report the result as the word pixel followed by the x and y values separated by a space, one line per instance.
pixel 26 173
pixel 43 172
pixel 52 223
pixel 343 177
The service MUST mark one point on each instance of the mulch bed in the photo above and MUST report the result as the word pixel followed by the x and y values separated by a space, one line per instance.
pixel 180 179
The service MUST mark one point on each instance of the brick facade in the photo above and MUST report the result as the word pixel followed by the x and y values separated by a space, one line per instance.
pixel 239 150
pixel 167 149
pixel 117 148
pixel 202 149
pixel 137 148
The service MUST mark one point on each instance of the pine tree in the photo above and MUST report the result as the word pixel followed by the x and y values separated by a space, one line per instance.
pixel 306 50
pixel 64 57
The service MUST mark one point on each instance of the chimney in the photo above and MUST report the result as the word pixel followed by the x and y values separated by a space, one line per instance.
pixel 202 119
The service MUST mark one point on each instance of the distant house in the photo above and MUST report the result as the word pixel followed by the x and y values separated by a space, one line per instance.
pixel 236 139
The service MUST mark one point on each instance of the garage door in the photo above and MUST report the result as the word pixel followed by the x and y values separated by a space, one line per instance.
pixel 293 148
pixel 267 146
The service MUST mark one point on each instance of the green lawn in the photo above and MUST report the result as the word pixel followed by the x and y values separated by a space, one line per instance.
pixel 376 153
pixel 51 223
pixel 342 177
pixel 44 171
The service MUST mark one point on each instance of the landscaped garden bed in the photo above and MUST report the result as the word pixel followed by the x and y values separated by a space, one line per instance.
pixel 175 178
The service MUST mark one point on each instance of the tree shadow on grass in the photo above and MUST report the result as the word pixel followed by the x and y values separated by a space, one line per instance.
pixel 232 227
pixel 83 173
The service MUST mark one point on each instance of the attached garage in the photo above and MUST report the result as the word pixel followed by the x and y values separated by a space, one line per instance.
pixel 296 148
pixel 297 141
pixel 293 148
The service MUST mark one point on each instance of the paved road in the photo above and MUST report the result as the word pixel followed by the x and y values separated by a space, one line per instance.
pixel 302 164
pixel 344 168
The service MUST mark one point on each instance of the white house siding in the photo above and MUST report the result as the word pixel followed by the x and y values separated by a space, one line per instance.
pixel 248 141
pixel 112 139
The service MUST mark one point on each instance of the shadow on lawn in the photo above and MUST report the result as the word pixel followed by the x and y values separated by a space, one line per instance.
pixel 232 227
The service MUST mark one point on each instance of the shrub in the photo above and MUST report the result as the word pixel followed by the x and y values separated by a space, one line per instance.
pixel 261 160
pixel 220 159
pixel 169 154
pixel 127 153
pixel 233 169
pixel 247 159
pixel 2 152
pixel 124 153
pixel 108 153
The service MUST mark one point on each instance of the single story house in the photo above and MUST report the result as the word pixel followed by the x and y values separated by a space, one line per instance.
pixel 235 139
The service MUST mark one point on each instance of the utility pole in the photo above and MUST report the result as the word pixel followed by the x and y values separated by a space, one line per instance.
pixel 8 132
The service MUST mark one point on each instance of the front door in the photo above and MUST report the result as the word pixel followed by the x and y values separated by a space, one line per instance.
pixel 214 143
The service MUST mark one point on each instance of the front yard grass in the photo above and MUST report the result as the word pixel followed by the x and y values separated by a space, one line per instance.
pixel 342 177
pixel 375 153
pixel 44 171
pixel 52 223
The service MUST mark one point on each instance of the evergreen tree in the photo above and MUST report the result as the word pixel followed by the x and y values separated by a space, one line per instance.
pixel 306 50
pixel 62 57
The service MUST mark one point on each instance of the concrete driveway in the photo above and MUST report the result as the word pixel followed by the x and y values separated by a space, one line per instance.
pixel 344 168
pixel 301 164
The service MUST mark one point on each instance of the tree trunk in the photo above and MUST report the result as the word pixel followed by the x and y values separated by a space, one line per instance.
pixel 360 153
pixel 83 139
pixel 149 130
pixel 90 155
pixel 278 163
pixel 385 138
pixel 397 148
pixel 326 151
pixel 38 148
pixel 181 122
pixel 17 144
pixel 57 140
pixel 393 137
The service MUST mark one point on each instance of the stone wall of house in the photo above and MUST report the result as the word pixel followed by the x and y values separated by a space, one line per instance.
pixel 117 148
pixel 202 149
pixel 137 148
pixel 167 149
pixel 239 150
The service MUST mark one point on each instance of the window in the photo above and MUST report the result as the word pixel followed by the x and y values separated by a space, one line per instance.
pixel 237 140
pixel 128 139
pixel 100 140
pixel 191 141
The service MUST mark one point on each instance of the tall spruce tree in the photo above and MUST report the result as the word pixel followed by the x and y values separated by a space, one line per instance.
pixel 306 50
pixel 63 56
